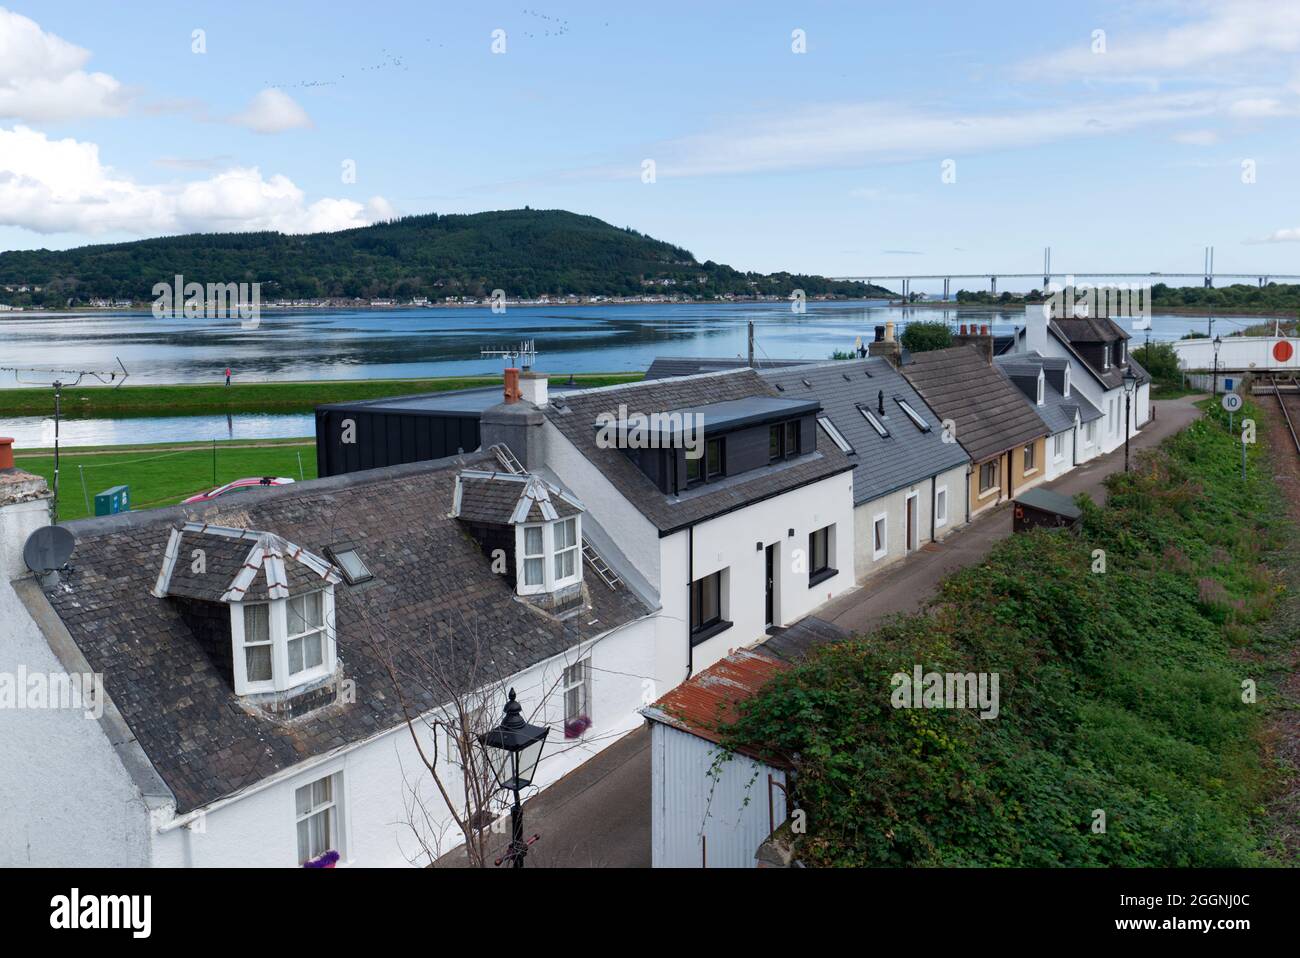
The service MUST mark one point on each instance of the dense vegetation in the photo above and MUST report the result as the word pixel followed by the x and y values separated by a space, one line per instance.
pixel 919 337
pixel 1119 691
pixel 1274 297
pixel 524 252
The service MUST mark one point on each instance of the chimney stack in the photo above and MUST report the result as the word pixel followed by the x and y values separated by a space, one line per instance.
pixel 886 345
pixel 512 393
pixel 978 336
pixel 24 508
pixel 534 388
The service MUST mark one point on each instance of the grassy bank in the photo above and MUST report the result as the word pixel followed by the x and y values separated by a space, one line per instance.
pixel 159 477
pixel 1120 690
pixel 261 397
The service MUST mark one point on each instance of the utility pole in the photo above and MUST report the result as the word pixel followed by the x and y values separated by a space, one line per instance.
pixel 75 376
pixel 751 344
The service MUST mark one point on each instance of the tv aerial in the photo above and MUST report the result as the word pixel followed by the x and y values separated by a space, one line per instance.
pixel 47 552
pixel 61 379
pixel 525 353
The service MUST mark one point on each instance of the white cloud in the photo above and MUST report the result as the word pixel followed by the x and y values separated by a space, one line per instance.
pixel 272 111
pixel 41 76
pixel 1291 235
pixel 54 186
pixel 845 135
pixel 1197 137
pixel 1225 33
pixel 1250 108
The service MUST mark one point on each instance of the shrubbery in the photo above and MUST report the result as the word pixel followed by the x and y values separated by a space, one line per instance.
pixel 1118 692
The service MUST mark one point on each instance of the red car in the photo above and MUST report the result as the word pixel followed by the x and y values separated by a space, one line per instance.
pixel 239 485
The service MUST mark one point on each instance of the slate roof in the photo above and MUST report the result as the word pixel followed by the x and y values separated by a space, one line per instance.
pixel 575 417
pixel 507 499
pixel 238 565
pixel 433 597
pixel 667 367
pixel 1112 378
pixel 1057 411
pixel 883 464
pixel 989 413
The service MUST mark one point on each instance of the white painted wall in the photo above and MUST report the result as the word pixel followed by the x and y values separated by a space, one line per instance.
pixel 894 507
pixel 1059 467
pixel 699 821
pixel 730 542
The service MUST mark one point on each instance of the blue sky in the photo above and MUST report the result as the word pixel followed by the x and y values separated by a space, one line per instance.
pixel 828 161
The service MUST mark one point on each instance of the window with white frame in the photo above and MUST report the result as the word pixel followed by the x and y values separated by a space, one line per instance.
pixel 1066 391
pixel 316 811
pixel 282 643
pixel 565 534
pixel 1041 390
pixel 549 555
pixel 941 506
pixel 1058 447
pixel 880 536
pixel 1105 354
pixel 306 632
pixel 577 698
pixel 1030 461
pixel 989 475
pixel 1090 432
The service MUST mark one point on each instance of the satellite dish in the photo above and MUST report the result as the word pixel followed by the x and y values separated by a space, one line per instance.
pixel 48 549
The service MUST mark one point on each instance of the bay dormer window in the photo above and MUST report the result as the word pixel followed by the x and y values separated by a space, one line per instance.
pixel 281 644
pixel 548 555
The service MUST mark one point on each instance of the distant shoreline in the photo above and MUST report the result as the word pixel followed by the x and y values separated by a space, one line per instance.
pixel 1244 312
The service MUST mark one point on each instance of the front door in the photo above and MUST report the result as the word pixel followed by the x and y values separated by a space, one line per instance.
pixel 770 613
pixel 911 523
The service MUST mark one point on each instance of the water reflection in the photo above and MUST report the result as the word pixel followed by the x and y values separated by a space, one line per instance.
pixel 33 431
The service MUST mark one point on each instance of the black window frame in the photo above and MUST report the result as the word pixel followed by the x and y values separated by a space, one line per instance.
pixel 819 567
pixel 719 443
pixel 786 435
pixel 701 628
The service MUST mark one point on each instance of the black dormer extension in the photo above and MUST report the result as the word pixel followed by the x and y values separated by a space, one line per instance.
pixel 683 449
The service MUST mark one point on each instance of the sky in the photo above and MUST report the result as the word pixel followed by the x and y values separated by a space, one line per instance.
pixel 865 139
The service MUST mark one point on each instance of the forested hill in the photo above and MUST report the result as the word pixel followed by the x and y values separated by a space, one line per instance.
pixel 524 252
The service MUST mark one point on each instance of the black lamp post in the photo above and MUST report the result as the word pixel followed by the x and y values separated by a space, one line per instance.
pixel 1130 383
pixel 513 750
pixel 1218 341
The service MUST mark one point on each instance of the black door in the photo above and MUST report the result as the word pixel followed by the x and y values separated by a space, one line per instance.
pixel 771 584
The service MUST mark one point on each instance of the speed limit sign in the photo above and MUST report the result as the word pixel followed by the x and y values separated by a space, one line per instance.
pixel 1231 402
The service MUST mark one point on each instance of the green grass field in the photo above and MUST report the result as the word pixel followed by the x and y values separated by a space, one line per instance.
pixel 159 477
pixel 261 397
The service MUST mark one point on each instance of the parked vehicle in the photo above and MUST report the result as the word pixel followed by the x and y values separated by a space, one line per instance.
pixel 239 485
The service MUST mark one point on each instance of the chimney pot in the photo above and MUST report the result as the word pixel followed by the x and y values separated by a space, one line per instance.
pixel 534 388
pixel 880 401
pixel 512 393
pixel 984 329
pixel 962 330
pixel 889 331
pixel 880 334
pixel 6 452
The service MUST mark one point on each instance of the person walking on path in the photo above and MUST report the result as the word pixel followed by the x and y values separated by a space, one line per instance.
pixel 227 375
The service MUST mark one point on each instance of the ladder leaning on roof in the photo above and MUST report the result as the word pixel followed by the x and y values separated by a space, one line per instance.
pixel 598 565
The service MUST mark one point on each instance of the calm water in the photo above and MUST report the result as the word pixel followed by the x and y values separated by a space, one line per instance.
pixel 366 344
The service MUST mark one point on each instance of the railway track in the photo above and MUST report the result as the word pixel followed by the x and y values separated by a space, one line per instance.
pixel 1286 413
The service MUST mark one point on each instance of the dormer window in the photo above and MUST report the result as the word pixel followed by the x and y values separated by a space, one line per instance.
pixel 1105 356
pixel 1066 391
pixel 548 555
pixel 284 643
pixel 1040 387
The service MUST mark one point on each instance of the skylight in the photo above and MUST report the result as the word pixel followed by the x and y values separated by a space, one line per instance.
pixel 836 436
pixel 350 563
pixel 876 424
pixel 913 415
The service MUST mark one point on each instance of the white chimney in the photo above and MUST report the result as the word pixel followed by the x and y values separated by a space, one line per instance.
pixel 24 508
pixel 533 386
pixel 1036 328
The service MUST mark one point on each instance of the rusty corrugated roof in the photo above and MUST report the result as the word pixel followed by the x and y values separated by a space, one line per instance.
pixel 706 702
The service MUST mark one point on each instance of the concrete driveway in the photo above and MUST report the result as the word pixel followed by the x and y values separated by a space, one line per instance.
pixel 599 814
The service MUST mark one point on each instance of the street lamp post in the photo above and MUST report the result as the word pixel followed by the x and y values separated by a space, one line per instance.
pixel 1218 342
pixel 1130 383
pixel 513 750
